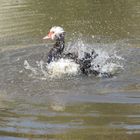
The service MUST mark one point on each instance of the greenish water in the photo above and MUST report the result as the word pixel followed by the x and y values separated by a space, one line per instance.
pixel 69 108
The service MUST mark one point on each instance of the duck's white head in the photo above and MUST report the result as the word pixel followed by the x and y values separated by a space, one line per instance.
pixel 55 33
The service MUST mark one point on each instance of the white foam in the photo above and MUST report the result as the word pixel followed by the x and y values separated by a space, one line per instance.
pixel 63 67
pixel 111 68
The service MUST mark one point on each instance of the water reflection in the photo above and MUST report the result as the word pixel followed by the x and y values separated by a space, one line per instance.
pixel 77 121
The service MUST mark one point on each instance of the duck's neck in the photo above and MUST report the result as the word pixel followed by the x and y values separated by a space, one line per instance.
pixel 60 44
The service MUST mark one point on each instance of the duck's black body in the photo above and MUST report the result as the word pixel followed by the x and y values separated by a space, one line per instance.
pixel 56 52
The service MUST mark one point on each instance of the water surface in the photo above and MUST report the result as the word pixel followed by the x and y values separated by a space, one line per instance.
pixel 73 107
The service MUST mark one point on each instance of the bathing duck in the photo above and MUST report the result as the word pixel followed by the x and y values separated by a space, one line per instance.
pixel 57 34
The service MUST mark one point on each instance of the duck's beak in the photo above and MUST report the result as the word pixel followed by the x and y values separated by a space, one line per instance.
pixel 49 36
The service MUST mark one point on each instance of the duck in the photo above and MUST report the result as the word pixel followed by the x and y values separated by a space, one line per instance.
pixel 57 34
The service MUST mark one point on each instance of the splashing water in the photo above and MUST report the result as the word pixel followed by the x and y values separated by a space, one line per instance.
pixel 107 61
pixel 63 67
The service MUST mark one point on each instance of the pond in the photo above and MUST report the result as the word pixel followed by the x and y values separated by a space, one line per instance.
pixel 34 106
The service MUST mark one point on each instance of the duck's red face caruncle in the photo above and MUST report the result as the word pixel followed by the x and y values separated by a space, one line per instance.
pixel 49 36
pixel 55 33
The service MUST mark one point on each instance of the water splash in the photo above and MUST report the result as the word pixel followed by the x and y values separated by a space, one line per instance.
pixel 56 69
pixel 63 67
pixel 108 61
